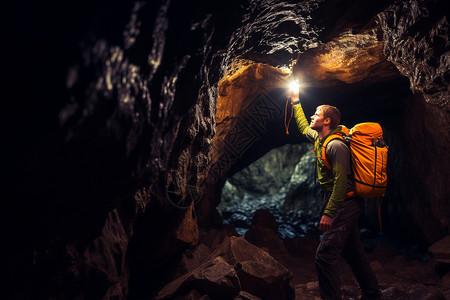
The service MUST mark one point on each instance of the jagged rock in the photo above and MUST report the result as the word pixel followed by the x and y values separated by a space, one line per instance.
pixel 236 265
pixel 188 229
pixel 217 279
pixel 350 57
pixel 265 219
pixel 264 233
pixel 268 239
pixel 192 259
pixel 376 267
pixel 421 55
pixel 441 250
pixel 259 273
pixel 216 237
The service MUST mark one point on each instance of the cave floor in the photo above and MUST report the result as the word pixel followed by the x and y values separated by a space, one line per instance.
pixel 399 276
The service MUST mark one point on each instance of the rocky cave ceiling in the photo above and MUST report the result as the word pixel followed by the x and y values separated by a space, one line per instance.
pixel 123 113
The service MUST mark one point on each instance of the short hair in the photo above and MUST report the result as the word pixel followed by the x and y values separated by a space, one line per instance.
pixel 332 113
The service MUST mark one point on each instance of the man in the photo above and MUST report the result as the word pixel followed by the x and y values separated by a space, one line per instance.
pixel 339 215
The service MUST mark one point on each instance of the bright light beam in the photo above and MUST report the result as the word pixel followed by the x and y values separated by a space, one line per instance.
pixel 294 86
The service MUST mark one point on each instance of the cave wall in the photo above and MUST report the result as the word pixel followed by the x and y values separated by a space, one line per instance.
pixel 415 35
pixel 110 120
pixel 95 182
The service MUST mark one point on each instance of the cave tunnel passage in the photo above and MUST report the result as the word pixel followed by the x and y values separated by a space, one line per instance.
pixel 277 171
pixel 281 182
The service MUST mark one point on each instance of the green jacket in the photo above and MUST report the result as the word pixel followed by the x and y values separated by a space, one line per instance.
pixel 337 180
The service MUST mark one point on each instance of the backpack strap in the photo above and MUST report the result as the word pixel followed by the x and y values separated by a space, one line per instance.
pixel 324 146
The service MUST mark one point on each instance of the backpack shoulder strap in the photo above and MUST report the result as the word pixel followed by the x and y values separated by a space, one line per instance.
pixel 324 147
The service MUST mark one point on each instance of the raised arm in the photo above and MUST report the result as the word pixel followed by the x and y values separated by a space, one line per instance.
pixel 302 121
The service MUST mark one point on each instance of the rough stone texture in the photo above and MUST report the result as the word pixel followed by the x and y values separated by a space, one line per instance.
pixel 236 265
pixel 188 229
pixel 416 36
pixel 351 57
pixel 259 273
pixel 107 255
pixel 217 278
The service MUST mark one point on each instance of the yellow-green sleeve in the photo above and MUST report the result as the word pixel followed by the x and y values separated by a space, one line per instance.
pixel 303 124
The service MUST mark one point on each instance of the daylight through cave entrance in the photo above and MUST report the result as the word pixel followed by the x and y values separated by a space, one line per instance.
pixel 281 182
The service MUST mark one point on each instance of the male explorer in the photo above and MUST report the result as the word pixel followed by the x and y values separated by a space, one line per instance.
pixel 339 214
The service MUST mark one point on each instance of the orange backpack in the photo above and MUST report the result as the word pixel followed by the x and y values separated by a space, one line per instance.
pixel 369 155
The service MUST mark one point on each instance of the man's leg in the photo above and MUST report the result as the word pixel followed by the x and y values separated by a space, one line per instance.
pixel 330 249
pixel 354 255
pixel 327 256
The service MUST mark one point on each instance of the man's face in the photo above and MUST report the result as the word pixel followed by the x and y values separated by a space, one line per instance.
pixel 317 120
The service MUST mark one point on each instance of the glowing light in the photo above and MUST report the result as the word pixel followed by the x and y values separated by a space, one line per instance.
pixel 294 86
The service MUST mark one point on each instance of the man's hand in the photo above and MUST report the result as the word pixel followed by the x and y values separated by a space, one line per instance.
pixel 325 223
pixel 294 95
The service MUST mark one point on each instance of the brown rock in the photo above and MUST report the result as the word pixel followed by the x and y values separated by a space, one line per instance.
pixel 217 279
pixel 259 273
pixel 265 219
pixel 268 239
pixel 191 260
pixel 349 58
pixel 441 250
pixel 376 267
pixel 188 229
pixel 236 265
pixel 214 238
pixel 445 282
